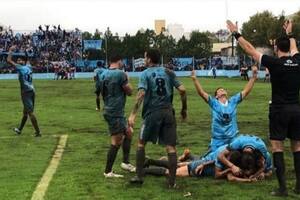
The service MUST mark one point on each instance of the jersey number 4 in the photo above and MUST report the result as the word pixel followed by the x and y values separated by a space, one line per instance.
pixel 161 88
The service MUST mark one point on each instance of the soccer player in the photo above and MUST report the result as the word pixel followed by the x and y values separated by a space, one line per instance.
pixel 224 126
pixel 24 70
pixel 97 73
pixel 208 165
pixel 284 114
pixel 249 144
pixel 114 88
pixel 156 93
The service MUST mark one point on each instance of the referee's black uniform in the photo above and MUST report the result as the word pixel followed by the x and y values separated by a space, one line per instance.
pixel 284 113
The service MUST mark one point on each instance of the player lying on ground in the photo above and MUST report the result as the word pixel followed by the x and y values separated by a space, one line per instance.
pixel 156 93
pixel 209 165
pixel 114 88
pixel 284 114
pixel 24 70
pixel 224 126
pixel 252 145
pixel 97 73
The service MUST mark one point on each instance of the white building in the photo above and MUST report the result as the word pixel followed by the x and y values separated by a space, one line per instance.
pixel 176 30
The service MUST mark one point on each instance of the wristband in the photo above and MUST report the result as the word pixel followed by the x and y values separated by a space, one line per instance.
pixel 237 35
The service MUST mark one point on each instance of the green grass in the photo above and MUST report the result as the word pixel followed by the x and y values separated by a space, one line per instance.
pixel 68 107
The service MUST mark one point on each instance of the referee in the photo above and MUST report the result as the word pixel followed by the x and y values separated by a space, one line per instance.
pixel 284 114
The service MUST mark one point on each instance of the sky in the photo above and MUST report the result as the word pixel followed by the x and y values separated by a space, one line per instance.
pixel 128 16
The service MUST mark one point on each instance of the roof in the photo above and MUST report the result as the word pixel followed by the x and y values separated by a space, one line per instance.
pixel 217 47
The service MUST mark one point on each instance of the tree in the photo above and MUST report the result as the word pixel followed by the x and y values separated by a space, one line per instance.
pixel 199 45
pixel 263 27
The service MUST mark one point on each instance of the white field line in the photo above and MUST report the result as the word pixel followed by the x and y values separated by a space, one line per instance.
pixel 21 136
pixel 42 187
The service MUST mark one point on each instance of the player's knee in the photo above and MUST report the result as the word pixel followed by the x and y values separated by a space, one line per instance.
pixel 171 149
pixel 295 146
pixel 277 146
pixel 141 144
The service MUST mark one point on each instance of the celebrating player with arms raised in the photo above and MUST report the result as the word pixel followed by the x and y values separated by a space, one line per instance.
pixel 24 70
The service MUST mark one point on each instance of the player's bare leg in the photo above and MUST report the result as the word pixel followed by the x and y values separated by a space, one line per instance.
pixel 35 124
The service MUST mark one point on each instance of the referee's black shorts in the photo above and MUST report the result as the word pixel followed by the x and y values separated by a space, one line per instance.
pixel 284 122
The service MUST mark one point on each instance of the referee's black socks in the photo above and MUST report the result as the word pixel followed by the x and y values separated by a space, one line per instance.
pixel 280 170
pixel 297 170
pixel 111 156
pixel 172 157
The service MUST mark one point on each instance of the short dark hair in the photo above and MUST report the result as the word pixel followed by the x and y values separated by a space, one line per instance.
pixel 99 64
pixel 24 58
pixel 115 58
pixel 248 161
pixel 235 157
pixel 154 55
pixel 283 44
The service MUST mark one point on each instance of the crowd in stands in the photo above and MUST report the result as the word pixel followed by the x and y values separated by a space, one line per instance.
pixel 44 46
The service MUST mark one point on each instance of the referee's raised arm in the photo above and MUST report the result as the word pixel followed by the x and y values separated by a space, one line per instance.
pixel 246 46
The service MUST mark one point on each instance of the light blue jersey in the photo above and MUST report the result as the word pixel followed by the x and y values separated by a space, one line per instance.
pixel 268 163
pixel 224 120
pixel 252 141
pixel 158 83
pixel 25 77
pixel 212 156
pixel 97 73
pixel 216 153
pixel 112 82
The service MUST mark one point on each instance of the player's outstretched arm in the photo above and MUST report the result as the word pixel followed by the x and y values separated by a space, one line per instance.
pixel 223 158
pixel 9 57
pixel 288 27
pixel 198 87
pixel 182 91
pixel 247 46
pixel 139 100
pixel 232 178
pixel 250 84
pixel 219 173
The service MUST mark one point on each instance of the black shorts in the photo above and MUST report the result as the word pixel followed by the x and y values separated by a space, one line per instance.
pixel 97 92
pixel 284 122
pixel 116 125
pixel 28 99
pixel 159 126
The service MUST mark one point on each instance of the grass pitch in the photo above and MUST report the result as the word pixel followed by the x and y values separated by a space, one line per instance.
pixel 68 107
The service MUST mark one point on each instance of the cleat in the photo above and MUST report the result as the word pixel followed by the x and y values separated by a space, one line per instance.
pixel 279 193
pixel 97 109
pixel 136 180
pixel 37 135
pixel 175 187
pixel 128 167
pixel 17 131
pixel 112 175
